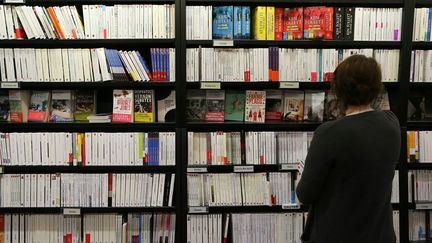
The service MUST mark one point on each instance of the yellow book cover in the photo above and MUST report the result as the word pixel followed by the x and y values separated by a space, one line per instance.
pixel 144 110
pixel 270 23
pixel 259 22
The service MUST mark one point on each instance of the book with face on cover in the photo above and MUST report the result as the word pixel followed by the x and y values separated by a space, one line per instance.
pixel 293 105
pixel 61 106
pixel 122 105
pixel 234 105
pixel 39 106
pixel 314 106
pixel 144 110
pixel 255 106
pixel 195 105
pixel 85 104
pixel 215 101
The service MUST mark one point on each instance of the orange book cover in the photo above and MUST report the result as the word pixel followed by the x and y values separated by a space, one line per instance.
pixel 55 22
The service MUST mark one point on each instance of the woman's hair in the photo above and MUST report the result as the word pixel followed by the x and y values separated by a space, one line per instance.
pixel 357 81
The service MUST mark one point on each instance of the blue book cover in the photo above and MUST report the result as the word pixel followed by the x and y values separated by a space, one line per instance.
pixel 429 25
pixel 151 149
pixel 153 63
pixel 167 64
pixel 144 63
pixel 320 76
pixel 237 22
pixel 140 228
pixel 246 22
pixel 223 22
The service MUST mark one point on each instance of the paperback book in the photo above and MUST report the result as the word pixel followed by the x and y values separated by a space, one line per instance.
pixel 223 22
pixel 314 106
pixel 39 106
pixel 234 105
pixel 122 106
pixel 215 101
pixel 255 106
pixel 318 23
pixel 293 23
pixel 4 106
pixel 274 106
pixel 62 110
pixel 144 106
pixel 293 106
pixel 166 107
pixel 19 104
pixel 196 105
pixel 85 104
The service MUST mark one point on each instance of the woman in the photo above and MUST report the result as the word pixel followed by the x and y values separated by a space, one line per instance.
pixel 347 179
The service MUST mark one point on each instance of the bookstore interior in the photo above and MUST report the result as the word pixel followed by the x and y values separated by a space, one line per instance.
pixel 162 121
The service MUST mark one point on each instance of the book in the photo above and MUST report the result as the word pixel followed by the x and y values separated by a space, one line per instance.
pixel 349 16
pixel 39 106
pixel 293 23
pixel 314 106
pixel 237 22
pixel 223 22
pixel 293 105
pixel 332 107
pixel 61 106
pixel 123 101
pixel 100 118
pixel 195 105
pixel 215 101
pixel 318 23
pixel 270 23
pixel 382 102
pixel 274 105
pixel 144 110
pixel 255 106
pixel 259 23
pixel 246 22
pixel 166 107
pixel 85 104
pixel 278 24
pixel 19 105
pixel 4 106
pixel 234 105
pixel 339 15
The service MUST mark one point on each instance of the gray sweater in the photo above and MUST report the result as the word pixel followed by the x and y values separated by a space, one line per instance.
pixel 347 179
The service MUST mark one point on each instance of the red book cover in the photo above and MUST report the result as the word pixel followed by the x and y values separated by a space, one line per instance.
pixel 318 23
pixel 2 226
pixel 292 23
pixel 84 161
pixel 278 23
pixel 87 238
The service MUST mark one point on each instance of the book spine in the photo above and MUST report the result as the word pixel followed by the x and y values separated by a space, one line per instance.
pixel 349 23
pixel 237 23
pixel 246 22
pixel 259 23
pixel 270 23
pixel 339 23
pixel 278 24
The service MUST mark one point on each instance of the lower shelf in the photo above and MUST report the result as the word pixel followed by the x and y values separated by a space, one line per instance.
pixel 87 210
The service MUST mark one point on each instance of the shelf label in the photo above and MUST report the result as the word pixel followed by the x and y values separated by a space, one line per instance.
pixel 197 169
pixel 198 210
pixel 223 43
pixel 289 85
pixel 288 166
pixel 72 211
pixel 244 168
pixel 290 206
pixel 14 1
pixel 10 85
pixel 210 85
pixel 424 206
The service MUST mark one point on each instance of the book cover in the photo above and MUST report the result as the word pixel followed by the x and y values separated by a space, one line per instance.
pixel 293 23
pixel 39 106
pixel 255 106
pixel 416 106
pixel 246 22
pixel 144 110
pixel 19 104
pixel 223 22
pixel 339 27
pixel 332 108
pixel 274 106
pixel 61 106
pixel 349 23
pixel 122 105
pixel 237 15
pixel 293 102
pixel 382 102
pixel 195 105
pixel 85 104
pixel 259 23
pixel 234 105
pixel 270 23
pixel 166 107
pixel 318 23
pixel 4 106
pixel 314 106
pixel 278 24
pixel 215 101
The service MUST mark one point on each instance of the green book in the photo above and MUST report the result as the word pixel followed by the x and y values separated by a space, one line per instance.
pixel 234 105
pixel 85 105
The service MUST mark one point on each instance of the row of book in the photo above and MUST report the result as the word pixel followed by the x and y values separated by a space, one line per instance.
pixel 236 148
pixel 268 105
pixel 86 190
pixel 207 228
pixel 87 149
pixel 19 106
pixel 422 24
pixel 85 65
pixel 96 22
pixel 110 228
pixel 422 182
pixel 418 145
pixel 242 189
pixel 272 23
pixel 278 64
pixel 421 61
pixel 417 225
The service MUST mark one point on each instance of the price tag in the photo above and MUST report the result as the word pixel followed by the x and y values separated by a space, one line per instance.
pixel 289 85
pixel 14 1
pixel 10 85
pixel 223 43
pixel 424 206
pixel 210 85
pixel 288 166
pixel 290 206
pixel 197 169
pixel 198 210
pixel 72 211
pixel 247 168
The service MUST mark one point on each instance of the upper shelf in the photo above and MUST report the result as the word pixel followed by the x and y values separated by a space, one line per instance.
pixel 372 3
pixel 86 43
pixel 94 85
pixel 80 2
pixel 273 85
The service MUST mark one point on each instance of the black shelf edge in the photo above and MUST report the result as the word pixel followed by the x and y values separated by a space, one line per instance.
pixel 96 85
pixel 419 166
pixel 301 2
pixel 422 45
pixel 86 169
pixel 88 210
pixel 80 2
pixel 230 168
pixel 87 43
pixel 421 241
pixel 423 3
pixel 420 85
pixel 236 126
pixel 274 85
pixel 419 125
pixel 303 44
pixel 86 127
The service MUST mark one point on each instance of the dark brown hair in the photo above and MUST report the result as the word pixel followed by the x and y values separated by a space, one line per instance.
pixel 357 81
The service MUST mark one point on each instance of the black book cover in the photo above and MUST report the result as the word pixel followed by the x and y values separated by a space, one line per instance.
pixel 349 23
pixel 166 189
pixel 339 23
